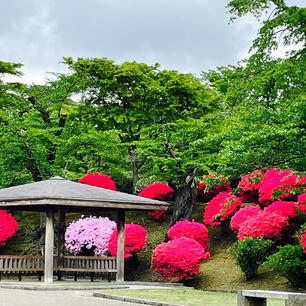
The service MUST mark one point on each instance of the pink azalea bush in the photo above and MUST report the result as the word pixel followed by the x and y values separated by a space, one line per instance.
pixel 158 191
pixel 8 226
pixel 193 230
pixel 302 202
pixel 135 239
pixel 178 259
pixel 265 224
pixel 220 209
pixel 98 180
pixel 89 233
pixel 242 215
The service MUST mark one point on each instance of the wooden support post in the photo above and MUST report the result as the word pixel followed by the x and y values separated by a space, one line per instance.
pixel 61 240
pixel 120 245
pixel 49 244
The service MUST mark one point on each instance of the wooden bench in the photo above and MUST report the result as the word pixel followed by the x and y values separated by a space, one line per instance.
pixel 19 264
pixel 87 264
pixel 25 264
pixel 259 297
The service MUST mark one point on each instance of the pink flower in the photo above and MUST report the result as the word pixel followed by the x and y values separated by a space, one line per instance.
pixel 283 208
pixel 90 233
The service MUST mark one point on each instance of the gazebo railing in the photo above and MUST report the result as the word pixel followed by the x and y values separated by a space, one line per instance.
pixel 30 263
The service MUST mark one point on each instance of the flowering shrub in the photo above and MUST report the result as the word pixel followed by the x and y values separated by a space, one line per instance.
pixel 193 230
pixel 285 209
pixel 242 215
pixel 277 180
pixel 265 224
pixel 220 209
pixel 302 202
pixel 98 180
pixel 178 259
pixel 8 226
pixel 249 186
pixel 89 235
pixel 303 241
pixel 135 239
pixel 158 191
pixel 212 184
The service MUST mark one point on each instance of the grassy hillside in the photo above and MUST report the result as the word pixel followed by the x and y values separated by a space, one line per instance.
pixel 218 273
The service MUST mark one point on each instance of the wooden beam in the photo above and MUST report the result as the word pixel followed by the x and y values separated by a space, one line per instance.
pixel 49 244
pixel 120 245
pixel 61 239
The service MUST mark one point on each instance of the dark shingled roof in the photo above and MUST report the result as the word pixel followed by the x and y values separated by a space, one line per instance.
pixel 64 193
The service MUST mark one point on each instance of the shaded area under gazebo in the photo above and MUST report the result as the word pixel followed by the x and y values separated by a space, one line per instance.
pixel 58 194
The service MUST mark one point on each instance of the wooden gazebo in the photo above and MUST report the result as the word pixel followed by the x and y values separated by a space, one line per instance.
pixel 58 194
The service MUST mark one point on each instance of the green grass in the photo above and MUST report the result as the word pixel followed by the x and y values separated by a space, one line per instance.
pixel 188 297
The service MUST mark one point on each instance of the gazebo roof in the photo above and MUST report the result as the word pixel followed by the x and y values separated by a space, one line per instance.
pixel 58 192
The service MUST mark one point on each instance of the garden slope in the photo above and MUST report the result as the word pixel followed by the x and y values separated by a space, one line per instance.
pixel 219 273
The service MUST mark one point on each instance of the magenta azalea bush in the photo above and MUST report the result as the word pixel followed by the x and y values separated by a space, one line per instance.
pixel 89 234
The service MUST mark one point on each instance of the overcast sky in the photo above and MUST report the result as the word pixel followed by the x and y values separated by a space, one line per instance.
pixel 185 35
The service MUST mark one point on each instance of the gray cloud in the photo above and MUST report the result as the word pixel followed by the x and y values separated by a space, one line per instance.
pixel 186 35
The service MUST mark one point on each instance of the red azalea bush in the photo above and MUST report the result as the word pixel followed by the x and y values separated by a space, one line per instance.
pixel 283 208
pixel 193 230
pixel 265 224
pixel 135 239
pixel 249 186
pixel 8 226
pixel 242 215
pixel 302 203
pixel 220 209
pixel 158 191
pixel 277 180
pixel 212 184
pixel 98 180
pixel 178 259
pixel 303 240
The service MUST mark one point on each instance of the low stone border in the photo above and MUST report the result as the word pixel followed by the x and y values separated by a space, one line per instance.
pixel 133 300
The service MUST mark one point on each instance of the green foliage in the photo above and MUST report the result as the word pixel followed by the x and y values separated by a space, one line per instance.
pixel 290 261
pixel 250 253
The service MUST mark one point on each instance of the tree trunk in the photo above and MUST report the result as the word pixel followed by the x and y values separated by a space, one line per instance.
pixel 184 199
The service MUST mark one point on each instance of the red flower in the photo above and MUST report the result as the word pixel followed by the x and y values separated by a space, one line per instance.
pixel 265 224
pixel 193 230
pixel 178 259
pixel 158 191
pixel 275 179
pixel 98 180
pixel 249 186
pixel 242 215
pixel 8 226
pixel 212 184
pixel 286 209
pixel 221 208
pixel 302 202
pixel 135 239
pixel 303 240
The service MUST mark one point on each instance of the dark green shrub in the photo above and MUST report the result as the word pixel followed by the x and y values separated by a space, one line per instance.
pixel 290 261
pixel 250 253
